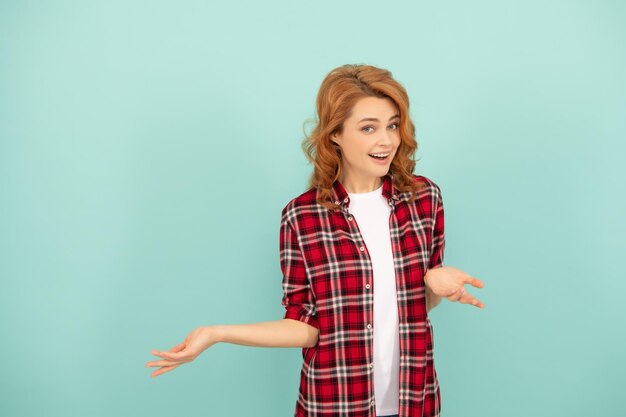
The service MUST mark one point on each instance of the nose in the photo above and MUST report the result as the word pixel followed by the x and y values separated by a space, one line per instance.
pixel 385 138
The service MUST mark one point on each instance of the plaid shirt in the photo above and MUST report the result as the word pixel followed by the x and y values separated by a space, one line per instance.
pixel 328 284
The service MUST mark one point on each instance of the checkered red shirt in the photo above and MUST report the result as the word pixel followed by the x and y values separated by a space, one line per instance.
pixel 328 283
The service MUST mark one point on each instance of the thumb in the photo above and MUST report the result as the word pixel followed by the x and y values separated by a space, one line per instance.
pixel 178 348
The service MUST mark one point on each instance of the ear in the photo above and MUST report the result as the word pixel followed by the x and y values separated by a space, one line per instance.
pixel 333 138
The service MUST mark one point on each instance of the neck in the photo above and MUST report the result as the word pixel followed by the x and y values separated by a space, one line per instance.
pixel 361 185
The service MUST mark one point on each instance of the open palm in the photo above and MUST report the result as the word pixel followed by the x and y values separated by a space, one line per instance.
pixel 448 282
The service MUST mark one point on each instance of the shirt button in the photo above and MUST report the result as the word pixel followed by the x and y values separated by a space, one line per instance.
pixel 345 200
pixel 372 403
pixel 369 326
pixel 367 286
pixel 371 365
pixel 362 248
pixel 337 202
pixel 350 218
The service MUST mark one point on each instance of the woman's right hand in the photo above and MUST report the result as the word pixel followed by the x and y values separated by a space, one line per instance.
pixel 194 344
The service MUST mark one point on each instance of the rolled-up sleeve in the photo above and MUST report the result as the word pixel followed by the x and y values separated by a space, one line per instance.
pixel 298 298
pixel 438 238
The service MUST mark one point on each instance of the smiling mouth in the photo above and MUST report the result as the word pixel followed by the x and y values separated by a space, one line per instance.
pixel 380 156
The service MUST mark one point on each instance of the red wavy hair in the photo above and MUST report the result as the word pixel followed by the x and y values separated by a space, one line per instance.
pixel 339 92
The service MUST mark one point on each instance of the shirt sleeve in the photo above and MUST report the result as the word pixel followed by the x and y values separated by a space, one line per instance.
pixel 438 240
pixel 298 299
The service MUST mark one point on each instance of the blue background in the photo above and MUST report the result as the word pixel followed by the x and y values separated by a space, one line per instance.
pixel 147 148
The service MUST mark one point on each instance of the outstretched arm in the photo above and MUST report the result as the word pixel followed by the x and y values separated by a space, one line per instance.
pixel 277 333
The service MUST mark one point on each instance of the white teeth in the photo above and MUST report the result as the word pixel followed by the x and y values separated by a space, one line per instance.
pixel 380 155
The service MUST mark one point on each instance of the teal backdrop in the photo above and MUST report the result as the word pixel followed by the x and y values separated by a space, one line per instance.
pixel 147 148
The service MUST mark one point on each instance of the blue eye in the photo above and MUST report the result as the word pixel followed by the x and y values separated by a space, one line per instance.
pixel 372 127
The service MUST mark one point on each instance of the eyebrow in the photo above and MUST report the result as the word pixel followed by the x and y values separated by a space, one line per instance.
pixel 373 119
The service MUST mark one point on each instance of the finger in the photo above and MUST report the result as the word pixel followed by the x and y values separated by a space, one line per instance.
pixel 460 294
pixel 172 356
pixel 469 299
pixel 178 348
pixel 175 349
pixel 454 296
pixel 457 295
pixel 478 303
pixel 163 370
pixel 453 292
pixel 474 282
pixel 161 363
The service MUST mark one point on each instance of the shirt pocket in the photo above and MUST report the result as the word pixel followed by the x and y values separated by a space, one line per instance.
pixel 415 236
pixel 335 265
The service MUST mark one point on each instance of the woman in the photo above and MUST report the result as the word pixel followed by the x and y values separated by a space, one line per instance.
pixel 361 250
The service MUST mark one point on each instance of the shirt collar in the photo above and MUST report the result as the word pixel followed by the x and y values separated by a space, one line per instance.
pixel 341 197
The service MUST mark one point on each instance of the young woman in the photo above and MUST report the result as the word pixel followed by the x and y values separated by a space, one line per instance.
pixel 361 253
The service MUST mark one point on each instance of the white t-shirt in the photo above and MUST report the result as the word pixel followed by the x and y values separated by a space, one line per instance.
pixel 371 212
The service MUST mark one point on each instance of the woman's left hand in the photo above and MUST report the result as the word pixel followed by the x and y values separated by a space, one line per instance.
pixel 448 282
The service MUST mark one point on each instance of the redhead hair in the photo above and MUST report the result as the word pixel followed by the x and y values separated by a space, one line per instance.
pixel 339 92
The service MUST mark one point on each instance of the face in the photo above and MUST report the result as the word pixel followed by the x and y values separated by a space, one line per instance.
pixel 372 129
